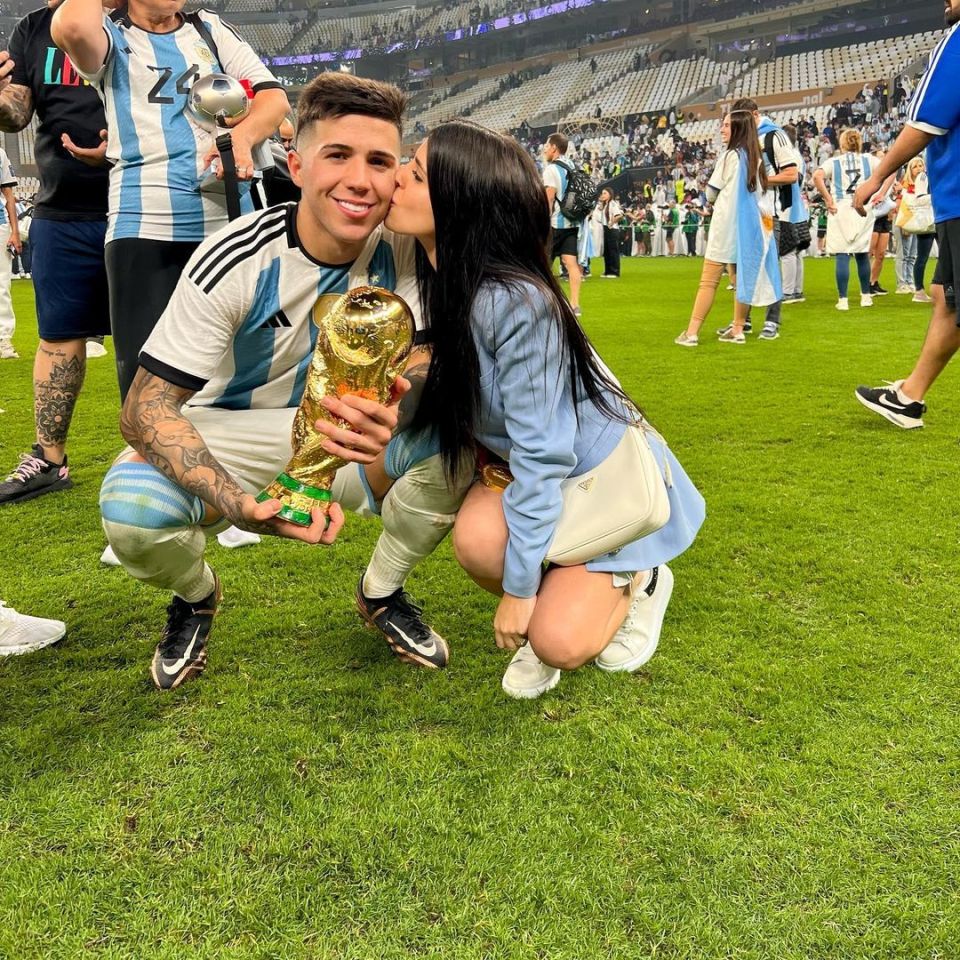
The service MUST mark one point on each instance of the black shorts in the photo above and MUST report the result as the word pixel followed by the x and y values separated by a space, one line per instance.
pixel 70 278
pixel 821 233
pixel 143 275
pixel 564 242
pixel 948 265
pixel 669 232
pixel 881 225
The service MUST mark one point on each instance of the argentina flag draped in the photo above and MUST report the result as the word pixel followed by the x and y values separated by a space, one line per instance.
pixel 758 262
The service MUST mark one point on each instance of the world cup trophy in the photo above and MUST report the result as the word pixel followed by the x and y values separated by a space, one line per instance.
pixel 363 340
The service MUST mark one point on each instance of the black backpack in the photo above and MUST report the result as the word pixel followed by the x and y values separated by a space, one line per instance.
pixel 581 194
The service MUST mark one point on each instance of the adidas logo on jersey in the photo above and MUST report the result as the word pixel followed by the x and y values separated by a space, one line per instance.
pixel 279 319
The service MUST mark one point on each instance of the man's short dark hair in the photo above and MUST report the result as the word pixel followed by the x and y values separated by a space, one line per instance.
pixel 559 141
pixel 334 94
pixel 745 103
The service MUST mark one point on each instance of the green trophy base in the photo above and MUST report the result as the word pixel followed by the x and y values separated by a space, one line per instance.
pixel 298 499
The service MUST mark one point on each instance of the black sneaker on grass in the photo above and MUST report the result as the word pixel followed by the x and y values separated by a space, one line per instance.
pixel 886 402
pixel 877 290
pixel 33 477
pixel 402 625
pixel 182 651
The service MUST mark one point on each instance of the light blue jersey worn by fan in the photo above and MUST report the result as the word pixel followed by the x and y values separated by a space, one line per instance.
pixel 155 147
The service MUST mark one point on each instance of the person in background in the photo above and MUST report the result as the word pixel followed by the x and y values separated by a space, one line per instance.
pixel 933 124
pixel 143 61
pixel 690 228
pixel 556 171
pixel 848 235
pixel 610 213
pixel 738 236
pixel 917 184
pixel 671 221
pixel 906 243
pixel 67 230
pixel 10 236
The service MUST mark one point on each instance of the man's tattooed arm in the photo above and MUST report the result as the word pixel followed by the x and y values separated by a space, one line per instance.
pixel 16 108
pixel 152 422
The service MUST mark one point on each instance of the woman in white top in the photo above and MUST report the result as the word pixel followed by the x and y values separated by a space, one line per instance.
pixel 915 184
pixel 739 133
pixel 848 234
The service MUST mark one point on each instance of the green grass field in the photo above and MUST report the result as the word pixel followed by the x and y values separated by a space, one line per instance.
pixel 780 782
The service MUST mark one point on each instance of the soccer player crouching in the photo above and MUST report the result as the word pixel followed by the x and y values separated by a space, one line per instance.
pixel 209 413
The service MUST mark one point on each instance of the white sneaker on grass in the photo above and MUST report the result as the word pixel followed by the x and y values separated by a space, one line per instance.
pixel 22 634
pixel 527 676
pixel 7 351
pixel 108 558
pixel 636 641
pixel 866 300
pixel 234 537
pixel 95 349
pixel 843 304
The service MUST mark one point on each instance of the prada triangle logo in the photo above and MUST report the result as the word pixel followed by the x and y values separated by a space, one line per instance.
pixel 585 485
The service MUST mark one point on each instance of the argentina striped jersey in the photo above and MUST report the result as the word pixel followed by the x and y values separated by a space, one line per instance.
pixel 239 328
pixel 156 149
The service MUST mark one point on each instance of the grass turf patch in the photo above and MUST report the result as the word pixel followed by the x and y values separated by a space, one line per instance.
pixel 780 780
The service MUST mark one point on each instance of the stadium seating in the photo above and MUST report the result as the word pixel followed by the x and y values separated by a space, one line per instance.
pixel 835 65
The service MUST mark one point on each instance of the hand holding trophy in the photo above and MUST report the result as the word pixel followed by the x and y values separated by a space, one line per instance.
pixel 363 341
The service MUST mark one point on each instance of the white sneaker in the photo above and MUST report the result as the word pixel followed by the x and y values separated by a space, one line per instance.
pixel 233 537
pixel 22 634
pixel 527 676
pixel 95 349
pixel 636 640
pixel 7 352
pixel 866 300
pixel 108 558
pixel 843 304
pixel 904 288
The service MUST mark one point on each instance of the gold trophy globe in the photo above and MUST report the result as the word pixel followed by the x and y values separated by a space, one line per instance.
pixel 364 339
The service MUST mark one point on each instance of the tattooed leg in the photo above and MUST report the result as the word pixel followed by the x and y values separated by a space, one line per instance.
pixel 58 372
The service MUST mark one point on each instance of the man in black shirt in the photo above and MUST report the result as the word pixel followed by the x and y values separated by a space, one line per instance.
pixel 67 236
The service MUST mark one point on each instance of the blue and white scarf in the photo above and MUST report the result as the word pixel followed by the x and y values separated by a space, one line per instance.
pixel 758 261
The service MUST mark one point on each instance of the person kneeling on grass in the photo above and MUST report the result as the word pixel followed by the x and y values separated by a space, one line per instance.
pixel 513 371
pixel 740 233
pixel 208 416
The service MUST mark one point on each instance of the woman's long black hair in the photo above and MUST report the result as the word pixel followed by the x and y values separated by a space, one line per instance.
pixel 492 225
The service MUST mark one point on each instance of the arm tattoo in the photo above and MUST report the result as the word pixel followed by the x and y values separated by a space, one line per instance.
pixel 16 108
pixel 152 422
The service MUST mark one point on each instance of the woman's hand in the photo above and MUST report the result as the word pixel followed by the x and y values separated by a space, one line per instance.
pixel 512 621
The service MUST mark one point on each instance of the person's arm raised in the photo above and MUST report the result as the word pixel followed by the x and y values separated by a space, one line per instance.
pixel 77 29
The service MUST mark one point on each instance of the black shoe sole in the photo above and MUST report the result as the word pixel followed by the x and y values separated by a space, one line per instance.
pixel 33 494
pixel 400 653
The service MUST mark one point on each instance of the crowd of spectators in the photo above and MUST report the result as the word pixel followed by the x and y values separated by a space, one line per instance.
pixel 669 172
